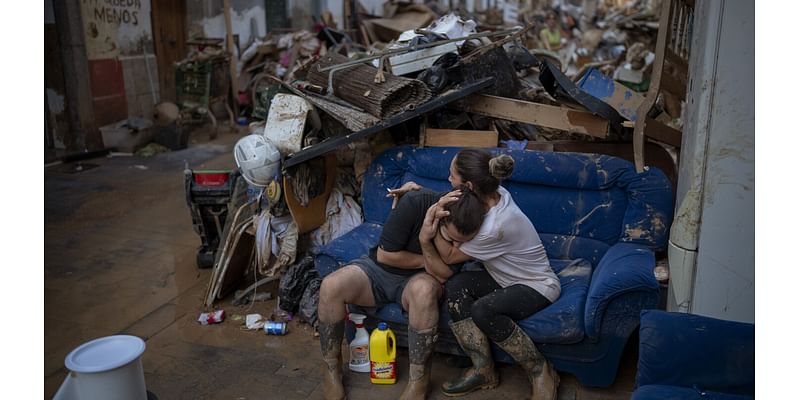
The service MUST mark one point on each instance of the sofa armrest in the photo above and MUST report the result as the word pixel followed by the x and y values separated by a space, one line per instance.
pixel 696 352
pixel 624 268
pixel 352 245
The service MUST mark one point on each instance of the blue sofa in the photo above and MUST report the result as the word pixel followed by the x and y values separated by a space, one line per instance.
pixel 599 220
pixel 685 356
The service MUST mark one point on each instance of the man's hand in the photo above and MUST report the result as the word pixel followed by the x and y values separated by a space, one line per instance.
pixel 430 225
pixel 395 194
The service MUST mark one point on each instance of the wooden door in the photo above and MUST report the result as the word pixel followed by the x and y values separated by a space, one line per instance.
pixel 169 36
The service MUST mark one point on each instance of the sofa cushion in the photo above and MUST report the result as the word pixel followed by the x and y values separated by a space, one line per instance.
pixel 347 247
pixel 692 350
pixel 562 321
pixel 666 392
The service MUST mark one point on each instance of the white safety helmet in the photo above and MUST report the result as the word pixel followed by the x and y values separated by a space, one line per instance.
pixel 258 159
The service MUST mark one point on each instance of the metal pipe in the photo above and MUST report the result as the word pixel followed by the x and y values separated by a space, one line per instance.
pixel 417 47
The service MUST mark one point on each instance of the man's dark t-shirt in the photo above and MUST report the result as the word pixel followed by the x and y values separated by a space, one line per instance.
pixel 401 229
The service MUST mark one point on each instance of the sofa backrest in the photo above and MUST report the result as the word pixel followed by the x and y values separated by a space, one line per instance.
pixel 580 204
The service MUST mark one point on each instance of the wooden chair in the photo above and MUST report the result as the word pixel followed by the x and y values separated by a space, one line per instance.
pixel 670 74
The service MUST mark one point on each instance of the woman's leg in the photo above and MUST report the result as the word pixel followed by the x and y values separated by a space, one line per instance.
pixel 496 312
pixel 463 289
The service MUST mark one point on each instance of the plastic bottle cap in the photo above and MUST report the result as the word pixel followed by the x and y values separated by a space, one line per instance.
pixel 382 326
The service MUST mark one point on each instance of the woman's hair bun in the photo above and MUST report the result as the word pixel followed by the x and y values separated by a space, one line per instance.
pixel 501 166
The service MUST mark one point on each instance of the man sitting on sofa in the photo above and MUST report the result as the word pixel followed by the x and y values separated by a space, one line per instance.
pixel 394 271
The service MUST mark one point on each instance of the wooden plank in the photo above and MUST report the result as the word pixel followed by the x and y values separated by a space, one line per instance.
pixel 538 114
pixel 460 138
pixel 674 85
pixel 229 36
pixel 663 133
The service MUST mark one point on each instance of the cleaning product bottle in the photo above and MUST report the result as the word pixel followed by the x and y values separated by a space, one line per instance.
pixel 383 368
pixel 359 347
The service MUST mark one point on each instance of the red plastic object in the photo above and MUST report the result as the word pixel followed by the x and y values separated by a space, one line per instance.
pixel 211 178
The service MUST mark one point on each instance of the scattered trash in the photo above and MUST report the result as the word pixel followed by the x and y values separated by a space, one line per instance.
pixel 127 135
pixel 309 302
pixel 151 150
pixel 208 318
pixel 254 321
pixel 293 284
pixel 243 298
pixel 279 314
pixel 276 328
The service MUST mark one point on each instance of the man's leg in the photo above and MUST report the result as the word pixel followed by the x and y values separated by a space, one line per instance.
pixel 421 300
pixel 349 284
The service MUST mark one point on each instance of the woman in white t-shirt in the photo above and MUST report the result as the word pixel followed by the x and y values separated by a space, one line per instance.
pixel 516 283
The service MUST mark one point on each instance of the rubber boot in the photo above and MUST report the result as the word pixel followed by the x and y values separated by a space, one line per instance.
pixel 543 377
pixel 420 347
pixel 330 339
pixel 482 374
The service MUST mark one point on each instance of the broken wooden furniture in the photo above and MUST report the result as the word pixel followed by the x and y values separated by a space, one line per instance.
pixel 685 356
pixel 356 85
pixel 566 119
pixel 600 222
pixel 670 74
pixel 434 137
pixel 331 144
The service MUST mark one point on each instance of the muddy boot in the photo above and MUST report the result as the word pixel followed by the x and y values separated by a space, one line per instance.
pixel 543 377
pixel 420 347
pixel 330 339
pixel 482 374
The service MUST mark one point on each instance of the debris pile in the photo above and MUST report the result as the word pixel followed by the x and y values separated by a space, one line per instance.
pixel 526 76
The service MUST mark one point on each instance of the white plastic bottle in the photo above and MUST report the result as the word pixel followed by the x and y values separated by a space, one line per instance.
pixel 359 347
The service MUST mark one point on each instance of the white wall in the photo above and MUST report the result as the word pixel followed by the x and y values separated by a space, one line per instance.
pixel 715 217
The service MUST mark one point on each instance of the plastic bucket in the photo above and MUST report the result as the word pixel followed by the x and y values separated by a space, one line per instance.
pixel 105 368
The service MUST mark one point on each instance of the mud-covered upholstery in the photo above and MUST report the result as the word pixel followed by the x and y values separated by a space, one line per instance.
pixel 600 223
pixel 686 356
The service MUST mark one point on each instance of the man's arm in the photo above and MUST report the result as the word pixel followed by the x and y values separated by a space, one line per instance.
pixel 434 264
pixel 400 259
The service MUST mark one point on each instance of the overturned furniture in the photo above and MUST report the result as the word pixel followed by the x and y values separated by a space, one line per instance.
pixel 584 206
pixel 670 74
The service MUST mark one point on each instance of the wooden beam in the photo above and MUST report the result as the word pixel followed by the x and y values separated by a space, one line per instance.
pixel 538 114
pixel 226 5
pixel 662 132
pixel 460 138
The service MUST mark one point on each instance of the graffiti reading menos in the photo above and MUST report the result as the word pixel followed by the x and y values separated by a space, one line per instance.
pixel 116 11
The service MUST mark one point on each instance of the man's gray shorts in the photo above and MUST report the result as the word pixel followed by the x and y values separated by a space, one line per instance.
pixel 386 287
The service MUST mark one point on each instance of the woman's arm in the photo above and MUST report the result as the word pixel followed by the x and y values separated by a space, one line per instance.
pixel 449 253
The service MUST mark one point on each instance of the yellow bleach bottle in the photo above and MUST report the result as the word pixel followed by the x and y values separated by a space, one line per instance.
pixel 382 353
